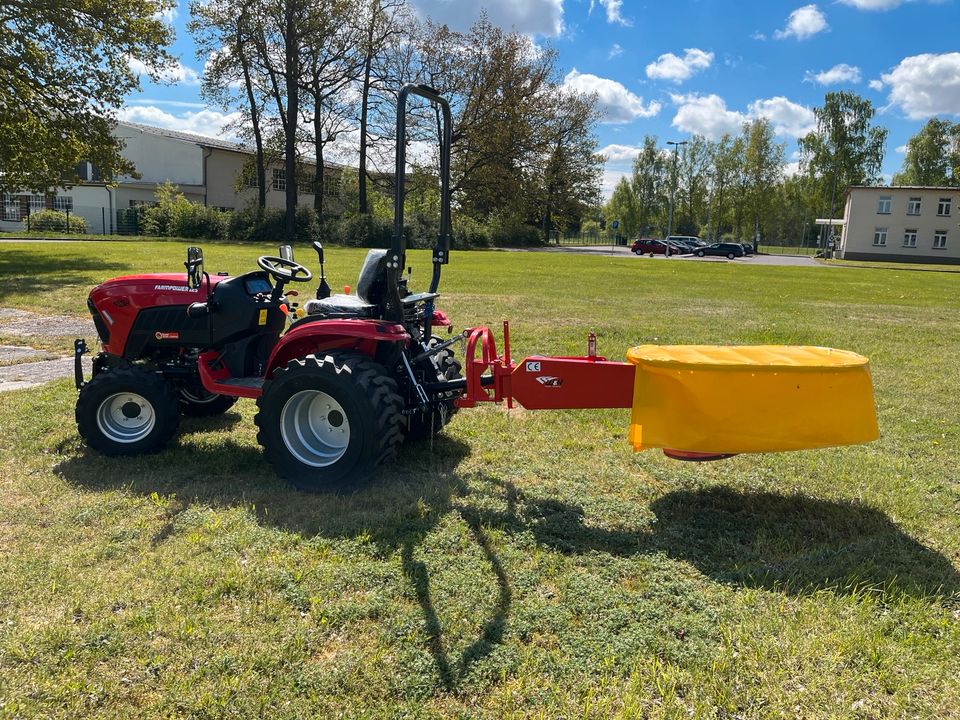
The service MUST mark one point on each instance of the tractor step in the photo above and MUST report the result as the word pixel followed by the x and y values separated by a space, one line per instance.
pixel 250 383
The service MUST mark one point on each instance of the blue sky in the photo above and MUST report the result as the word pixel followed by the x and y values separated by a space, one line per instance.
pixel 673 69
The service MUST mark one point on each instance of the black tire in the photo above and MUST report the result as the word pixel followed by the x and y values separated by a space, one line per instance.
pixel 420 424
pixel 638 251
pixel 700 253
pixel 366 403
pixel 197 402
pixel 731 256
pixel 107 405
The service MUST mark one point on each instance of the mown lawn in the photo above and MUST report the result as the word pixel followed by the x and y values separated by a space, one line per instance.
pixel 529 564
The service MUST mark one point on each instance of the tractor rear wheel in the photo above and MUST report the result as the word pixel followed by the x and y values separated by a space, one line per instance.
pixel 422 423
pixel 327 422
pixel 127 411
pixel 198 402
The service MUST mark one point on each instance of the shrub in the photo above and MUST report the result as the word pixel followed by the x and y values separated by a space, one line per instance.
pixel 55 221
pixel 269 225
pixel 361 231
pixel 175 216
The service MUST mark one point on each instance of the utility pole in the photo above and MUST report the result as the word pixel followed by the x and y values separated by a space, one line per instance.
pixel 673 188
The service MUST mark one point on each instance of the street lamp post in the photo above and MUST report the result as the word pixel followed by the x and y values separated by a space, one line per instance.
pixel 673 190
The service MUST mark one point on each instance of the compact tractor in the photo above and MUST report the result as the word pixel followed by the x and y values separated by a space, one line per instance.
pixel 341 382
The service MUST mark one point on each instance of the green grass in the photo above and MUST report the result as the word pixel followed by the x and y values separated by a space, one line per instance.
pixel 531 565
pixel 787 250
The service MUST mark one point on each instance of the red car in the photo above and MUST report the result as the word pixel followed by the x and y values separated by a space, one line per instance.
pixel 647 246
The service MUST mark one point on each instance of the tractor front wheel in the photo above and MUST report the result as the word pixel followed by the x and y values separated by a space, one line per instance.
pixel 326 423
pixel 127 411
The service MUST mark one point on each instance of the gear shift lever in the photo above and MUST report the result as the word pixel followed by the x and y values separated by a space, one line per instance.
pixel 323 290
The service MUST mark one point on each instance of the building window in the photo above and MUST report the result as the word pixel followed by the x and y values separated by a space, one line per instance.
pixel 251 182
pixel 305 184
pixel 943 207
pixel 11 207
pixel 63 203
pixel 279 179
pixel 883 207
pixel 910 238
pixel 880 237
pixel 940 240
pixel 143 203
pixel 331 185
pixel 913 206
pixel 37 203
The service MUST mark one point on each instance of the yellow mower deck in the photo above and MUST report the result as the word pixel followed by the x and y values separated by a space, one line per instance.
pixel 766 398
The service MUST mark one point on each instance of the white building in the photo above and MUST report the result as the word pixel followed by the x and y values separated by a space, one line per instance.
pixel 901 224
pixel 207 171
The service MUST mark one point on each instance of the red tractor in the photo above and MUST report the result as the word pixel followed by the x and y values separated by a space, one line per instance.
pixel 340 389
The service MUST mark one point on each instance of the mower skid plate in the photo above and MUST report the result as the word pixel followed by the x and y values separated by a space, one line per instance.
pixel 722 400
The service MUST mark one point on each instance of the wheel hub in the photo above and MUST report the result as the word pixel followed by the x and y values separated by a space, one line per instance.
pixel 126 417
pixel 315 428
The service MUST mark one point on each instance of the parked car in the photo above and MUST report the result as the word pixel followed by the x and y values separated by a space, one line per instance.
pixel 690 241
pixel 728 250
pixel 647 246
pixel 747 248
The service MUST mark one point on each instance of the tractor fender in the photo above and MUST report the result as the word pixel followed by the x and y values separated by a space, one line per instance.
pixel 312 337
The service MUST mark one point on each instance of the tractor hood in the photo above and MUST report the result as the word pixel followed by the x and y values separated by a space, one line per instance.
pixel 116 303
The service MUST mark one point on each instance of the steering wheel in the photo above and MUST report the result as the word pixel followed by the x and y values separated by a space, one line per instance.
pixel 284 270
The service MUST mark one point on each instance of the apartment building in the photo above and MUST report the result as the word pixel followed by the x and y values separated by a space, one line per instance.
pixel 901 224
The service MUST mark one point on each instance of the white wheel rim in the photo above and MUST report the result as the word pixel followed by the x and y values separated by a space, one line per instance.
pixel 126 417
pixel 314 427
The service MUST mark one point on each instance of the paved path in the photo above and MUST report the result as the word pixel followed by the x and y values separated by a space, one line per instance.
pixel 24 367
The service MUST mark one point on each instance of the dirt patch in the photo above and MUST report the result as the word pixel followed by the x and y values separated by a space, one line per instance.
pixel 32 374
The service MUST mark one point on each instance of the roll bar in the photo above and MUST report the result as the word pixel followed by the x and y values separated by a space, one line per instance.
pixel 398 250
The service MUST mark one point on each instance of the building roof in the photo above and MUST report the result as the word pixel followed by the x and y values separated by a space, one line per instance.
pixel 204 141
pixel 903 187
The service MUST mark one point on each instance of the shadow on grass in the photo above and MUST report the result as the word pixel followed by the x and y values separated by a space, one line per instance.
pixel 785 543
pixel 47 272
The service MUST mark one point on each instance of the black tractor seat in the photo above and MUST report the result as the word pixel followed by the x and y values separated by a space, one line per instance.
pixel 371 288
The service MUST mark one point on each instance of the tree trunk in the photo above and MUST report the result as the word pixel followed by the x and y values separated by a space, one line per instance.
pixel 318 173
pixel 362 170
pixel 292 49
pixel 255 121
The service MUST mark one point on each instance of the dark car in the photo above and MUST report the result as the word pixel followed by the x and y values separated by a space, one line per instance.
pixel 728 250
pixel 747 248
pixel 649 246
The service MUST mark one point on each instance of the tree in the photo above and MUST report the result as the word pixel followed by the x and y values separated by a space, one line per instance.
pixel 623 206
pixel 384 27
pixel 724 155
pixel 571 173
pixel 63 73
pixel 933 156
pixel 845 149
pixel 694 164
pixel 651 184
pixel 224 32
pixel 763 169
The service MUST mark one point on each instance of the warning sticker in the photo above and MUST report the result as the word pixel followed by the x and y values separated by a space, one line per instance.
pixel 263 317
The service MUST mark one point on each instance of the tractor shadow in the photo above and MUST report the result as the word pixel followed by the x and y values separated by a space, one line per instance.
pixel 792 544
pixel 785 543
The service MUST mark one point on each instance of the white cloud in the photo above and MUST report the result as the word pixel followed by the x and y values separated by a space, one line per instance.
pixel 612 8
pixel 926 85
pixel 620 153
pixel 676 69
pixel 168 14
pixel 706 115
pixel 177 74
pixel 611 176
pixel 836 75
pixel 803 22
pixel 617 104
pixel 791 169
pixel 789 119
pixel 876 85
pixel 902 149
pixel 615 51
pixel 206 122
pixel 537 17
pixel 872 4
pixel 757 35
pixel 709 116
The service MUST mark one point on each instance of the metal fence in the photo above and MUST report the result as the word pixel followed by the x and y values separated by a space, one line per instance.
pixel 592 237
pixel 74 220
